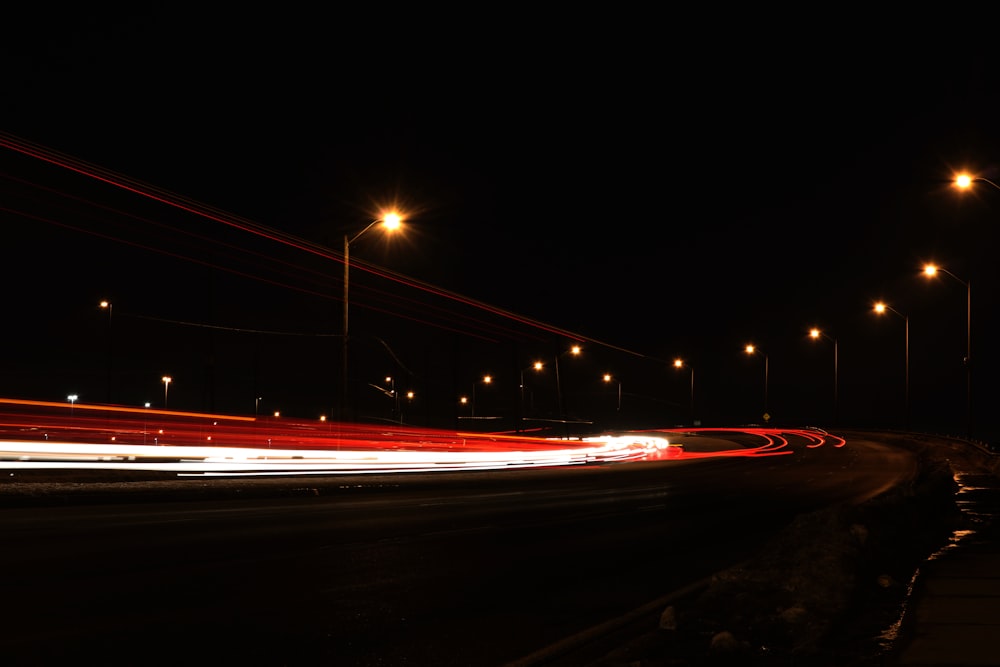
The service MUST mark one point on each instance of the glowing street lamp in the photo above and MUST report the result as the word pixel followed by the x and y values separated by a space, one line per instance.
pixel 575 350
pixel 679 363
pixel 166 386
pixel 72 398
pixel 487 379
pixel 751 350
pixel 931 271
pixel 106 305
pixel 609 378
pixel 537 367
pixel 816 334
pixel 391 221
pixel 881 308
pixel 965 180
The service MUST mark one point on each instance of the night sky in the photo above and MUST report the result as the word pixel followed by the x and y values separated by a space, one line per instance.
pixel 650 191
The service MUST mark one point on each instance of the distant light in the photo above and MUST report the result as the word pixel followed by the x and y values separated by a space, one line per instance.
pixel 930 270
pixel 963 181
pixel 880 307
pixel 814 333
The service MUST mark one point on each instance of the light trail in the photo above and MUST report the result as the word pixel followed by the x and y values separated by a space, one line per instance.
pixel 37 435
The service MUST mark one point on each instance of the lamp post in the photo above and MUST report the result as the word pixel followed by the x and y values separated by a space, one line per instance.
pixel 391 221
pixel 679 363
pixel 816 334
pixel 575 351
pixel 487 379
pixel 751 349
pixel 106 305
pixel 609 378
pixel 72 398
pixel 166 386
pixel 881 308
pixel 931 270
pixel 537 367
pixel 391 381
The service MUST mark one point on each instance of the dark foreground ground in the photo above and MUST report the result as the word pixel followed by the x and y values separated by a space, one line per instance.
pixel 829 592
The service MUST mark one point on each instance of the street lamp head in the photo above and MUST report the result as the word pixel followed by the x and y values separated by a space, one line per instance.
pixel 392 221
pixel 814 333
pixel 487 379
pixel 678 363
pixel 72 398
pixel 963 181
pixel 167 379
pixel 880 307
pixel 607 377
pixel 576 349
pixel 930 270
pixel 750 349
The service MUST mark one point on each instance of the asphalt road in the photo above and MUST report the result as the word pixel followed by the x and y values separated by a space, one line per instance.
pixel 445 569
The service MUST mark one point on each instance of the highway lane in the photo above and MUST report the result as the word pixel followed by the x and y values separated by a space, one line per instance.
pixel 442 569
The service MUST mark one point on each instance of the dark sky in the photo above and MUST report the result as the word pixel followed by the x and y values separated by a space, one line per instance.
pixel 654 189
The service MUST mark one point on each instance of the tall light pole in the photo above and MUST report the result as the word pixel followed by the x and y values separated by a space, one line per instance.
pixel 816 334
pixel 166 386
pixel 487 379
pixel 931 270
pixel 537 367
pixel 679 363
pixel 609 378
pixel 72 398
pixel 106 305
pixel 751 349
pixel 880 308
pixel 575 351
pixel 390 221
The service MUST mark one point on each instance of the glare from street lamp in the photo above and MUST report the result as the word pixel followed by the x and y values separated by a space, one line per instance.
pixel 964 181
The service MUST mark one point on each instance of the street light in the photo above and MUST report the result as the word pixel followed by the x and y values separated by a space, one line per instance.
pixel 166 385
pixel 106 305
pixel 881 308
pixel 751 349
pixel 964 181
pixel 816 334
pixel 72 398
pixel 609 378
pixel 679 363
pixel 537 367
pixel 391 221
pixel 931 270
pixel 487 379
pixel 575 351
